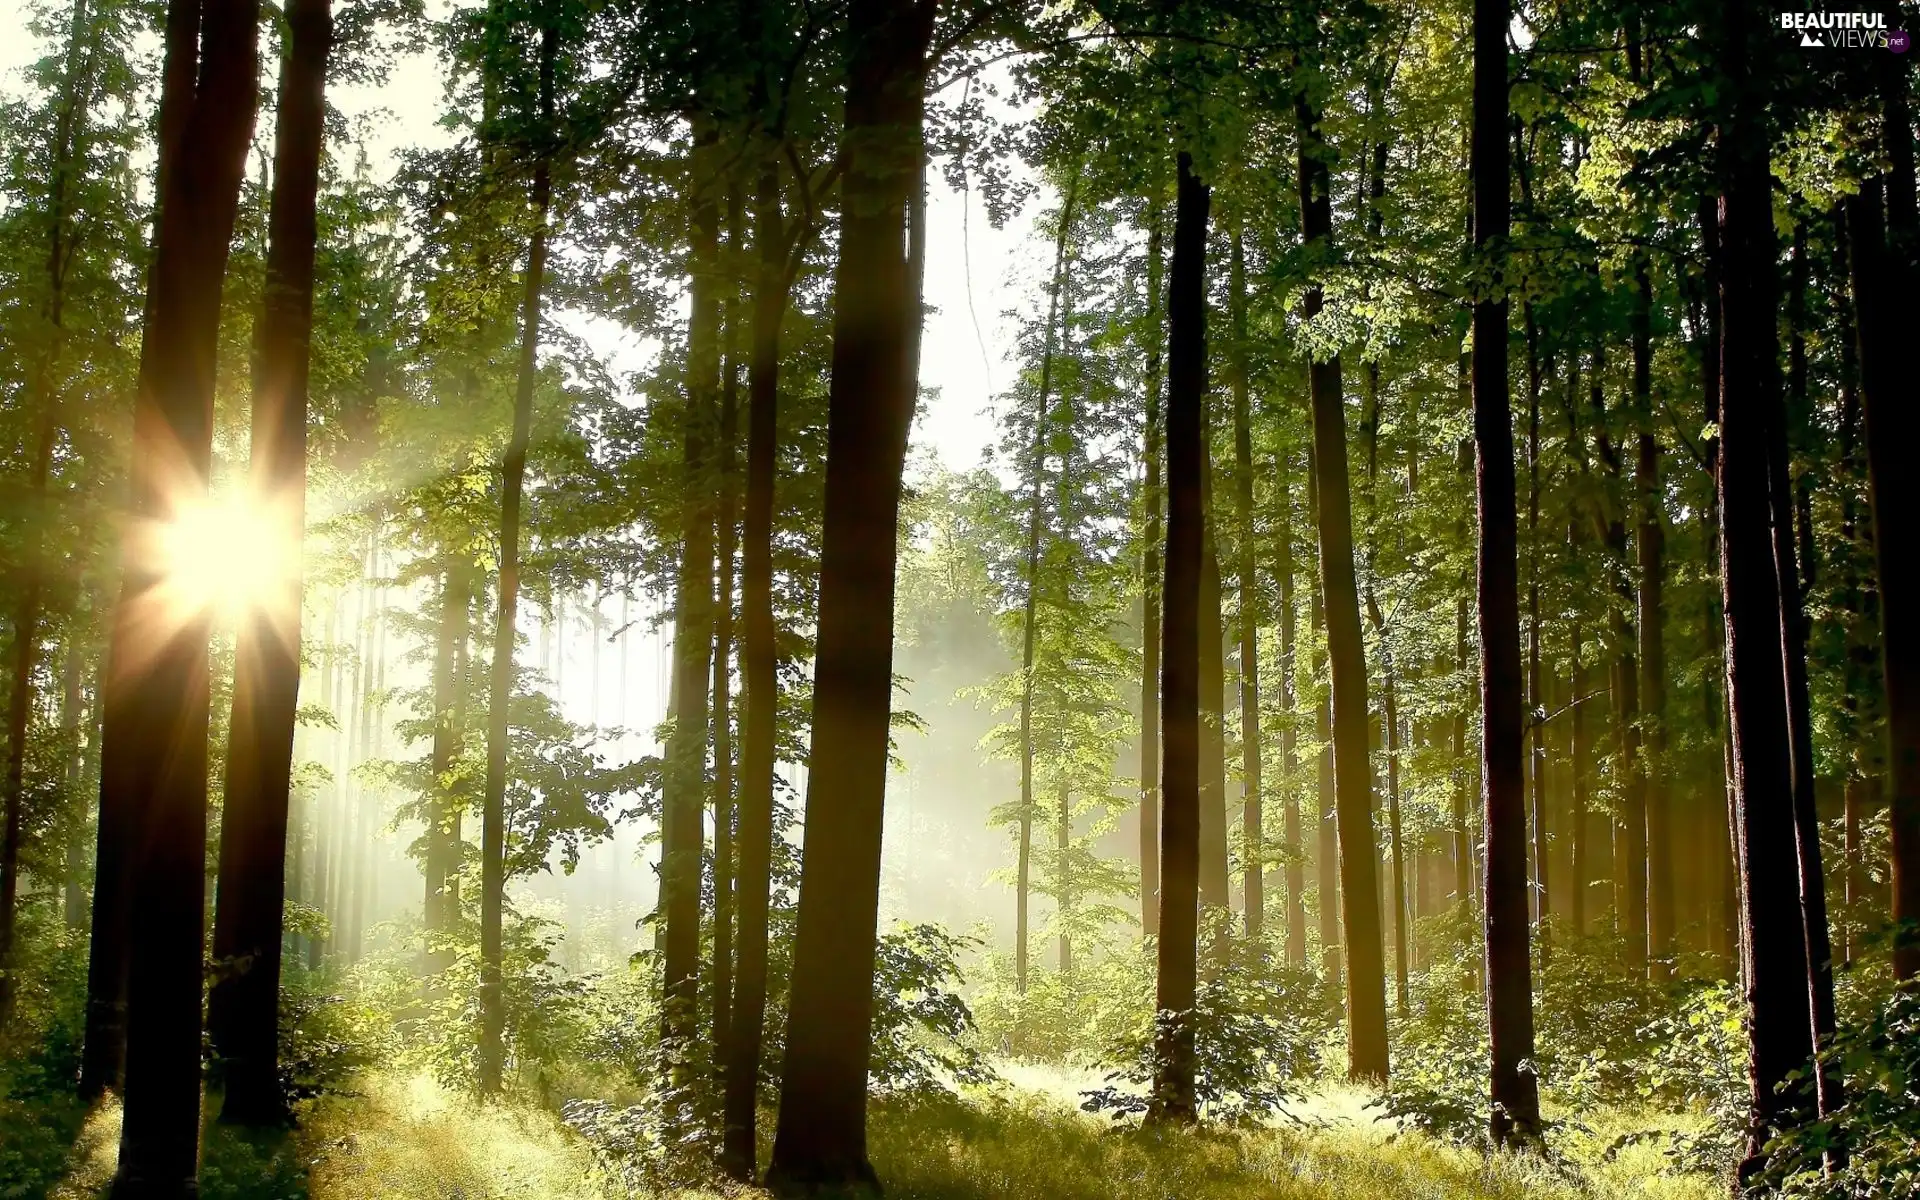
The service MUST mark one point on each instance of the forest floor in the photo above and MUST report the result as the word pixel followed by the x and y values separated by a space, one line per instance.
pixel 401 1137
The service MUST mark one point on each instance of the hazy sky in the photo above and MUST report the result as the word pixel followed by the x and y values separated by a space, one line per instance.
pixel 963 360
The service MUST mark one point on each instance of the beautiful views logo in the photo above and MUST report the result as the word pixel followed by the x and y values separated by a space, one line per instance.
pixel 1845 31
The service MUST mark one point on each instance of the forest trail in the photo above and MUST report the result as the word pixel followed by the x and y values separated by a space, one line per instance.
pixel 401 1137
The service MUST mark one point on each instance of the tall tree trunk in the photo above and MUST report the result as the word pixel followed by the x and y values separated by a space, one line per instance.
pixel 123 798
pixel 243 1009
pixel 1173 1100
pixel 1537 790
pixel 1793 644
pixel 1252 835
pixel 759 678
pixel 1582 872
pixel 1882 268
pixel 1629 872
pixel 1651 547
pixel 1290 831
pixel 443 850
pixel 71 705
pixel 683 828
pixel 1150 497
pixel 1774 947
pixel 76 88
pixel 1353 774
pixel 1215 876
pixel 821 1138
pixel 723 874
pixel 1030 618
pixel 1327 852
pixel 513 469
pixel 153 790
pixel 1515 1093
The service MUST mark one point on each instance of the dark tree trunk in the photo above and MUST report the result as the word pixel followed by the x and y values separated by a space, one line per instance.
pixel 153 790
pixel 1774 945
pixel 1214 873
pixel 759 664
pixel 1173 1099
pixel 1515 1094
pixel 513 470
pixel 1353 774
pixel 243 1010
pixel 821 1139
pixel 683 837
pixel 1151 499
pixel 1252 838
pixel 125 797
pixel 1882 268
pixel 42 393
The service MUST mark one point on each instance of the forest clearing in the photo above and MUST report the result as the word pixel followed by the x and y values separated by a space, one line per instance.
pixel 966 599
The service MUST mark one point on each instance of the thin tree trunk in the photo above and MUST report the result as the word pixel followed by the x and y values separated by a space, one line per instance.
pixel 513 469
pixel 821 1138
pixel 759 665
pixel 1030 619
pixel 1650 619
pixel 1353 774
pixel 1290 831
pixel 1252 836
pixel 153 791
pixel 1173 1100
pixel 1577 817
pixel 71 704
pixel 243 1010
pixel 1150 498
pixel 1215 875
pixel 723 873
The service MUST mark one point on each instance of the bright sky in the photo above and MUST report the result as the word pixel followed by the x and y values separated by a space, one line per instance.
pixel 973 270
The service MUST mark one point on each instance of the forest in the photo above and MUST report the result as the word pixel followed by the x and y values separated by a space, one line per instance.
pixel 958 599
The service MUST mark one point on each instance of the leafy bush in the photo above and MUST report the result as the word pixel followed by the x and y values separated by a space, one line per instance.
pixel 1257 1032
pixel 1879 1123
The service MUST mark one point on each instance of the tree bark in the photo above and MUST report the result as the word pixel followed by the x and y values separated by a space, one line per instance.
pixel 1252 837
pixel 513 469
pixel 1775 951
pixel 1290 830
pixel 723 871
pixel 153 792
pixel 1650 545
pixel 243 1009
pixel 759 678
pixel 443 850
pixel 1150 498
pixel 821 1138
pixel 1515 1094
pixel 1537 791
pixel 1173 1101
pixel 1353 774
pixel 1215 876
pixel 1882 269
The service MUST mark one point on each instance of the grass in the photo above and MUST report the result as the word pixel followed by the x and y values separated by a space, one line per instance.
pixel 402 1137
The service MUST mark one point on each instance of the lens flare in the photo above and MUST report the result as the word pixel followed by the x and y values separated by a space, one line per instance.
pixel 227 558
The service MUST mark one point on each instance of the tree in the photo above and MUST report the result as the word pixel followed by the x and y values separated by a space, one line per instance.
pixel 1353 773
pixel 244 1006
pixel 1150 598
pixel 513 468
pixel 1173 1101
pixel 153 791
pixel 1776 967
pixel 1515 1094
pixel 820 1141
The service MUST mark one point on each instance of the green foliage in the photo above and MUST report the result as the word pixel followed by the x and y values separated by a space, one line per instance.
pixel 1257 1037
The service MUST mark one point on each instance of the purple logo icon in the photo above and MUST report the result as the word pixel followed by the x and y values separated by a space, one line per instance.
pixel 1899 40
